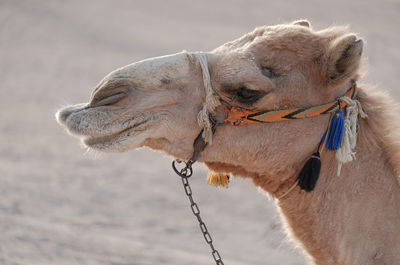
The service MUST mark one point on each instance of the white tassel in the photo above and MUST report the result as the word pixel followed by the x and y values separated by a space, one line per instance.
pixel 345 153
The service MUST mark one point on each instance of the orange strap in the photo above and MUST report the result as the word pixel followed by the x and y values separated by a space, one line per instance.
pixel 238 116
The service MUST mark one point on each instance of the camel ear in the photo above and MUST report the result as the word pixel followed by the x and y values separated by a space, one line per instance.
pixel 302 22
pixel 344 57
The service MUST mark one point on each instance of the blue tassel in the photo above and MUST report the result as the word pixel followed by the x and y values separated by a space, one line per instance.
pixel 335 134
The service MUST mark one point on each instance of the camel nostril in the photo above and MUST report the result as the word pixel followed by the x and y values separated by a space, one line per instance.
pixel 114 98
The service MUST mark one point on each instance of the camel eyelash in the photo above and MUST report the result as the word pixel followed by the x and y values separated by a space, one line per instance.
pixel 247 96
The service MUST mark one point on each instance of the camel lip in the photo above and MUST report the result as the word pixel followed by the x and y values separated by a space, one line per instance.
pixel 104 140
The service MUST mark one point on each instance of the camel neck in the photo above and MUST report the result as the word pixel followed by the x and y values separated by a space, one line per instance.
pixel 353 218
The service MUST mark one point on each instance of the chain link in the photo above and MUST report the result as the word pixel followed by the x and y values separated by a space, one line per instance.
pixel 185 173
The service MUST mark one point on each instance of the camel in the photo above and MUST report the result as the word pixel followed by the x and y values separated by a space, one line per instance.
pixel 160 103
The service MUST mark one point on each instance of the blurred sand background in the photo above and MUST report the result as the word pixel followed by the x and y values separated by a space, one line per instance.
pixel 59 205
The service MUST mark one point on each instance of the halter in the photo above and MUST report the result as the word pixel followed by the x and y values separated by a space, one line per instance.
pixel 339 131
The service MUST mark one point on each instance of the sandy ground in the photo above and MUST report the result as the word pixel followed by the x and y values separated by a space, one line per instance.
pixel 61 206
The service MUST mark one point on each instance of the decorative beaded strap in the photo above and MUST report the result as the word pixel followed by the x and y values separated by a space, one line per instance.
pixel 238 116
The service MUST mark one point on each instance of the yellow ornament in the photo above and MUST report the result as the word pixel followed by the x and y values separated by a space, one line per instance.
pixel 217 179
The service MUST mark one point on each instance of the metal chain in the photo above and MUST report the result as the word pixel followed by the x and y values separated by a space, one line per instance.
pixel 185 174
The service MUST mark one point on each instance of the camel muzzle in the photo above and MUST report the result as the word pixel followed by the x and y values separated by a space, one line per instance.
pixel 63 114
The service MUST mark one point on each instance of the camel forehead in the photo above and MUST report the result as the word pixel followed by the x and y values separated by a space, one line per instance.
pixel 279 46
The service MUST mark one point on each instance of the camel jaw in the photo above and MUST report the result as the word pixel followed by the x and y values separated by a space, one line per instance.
pixel 116 136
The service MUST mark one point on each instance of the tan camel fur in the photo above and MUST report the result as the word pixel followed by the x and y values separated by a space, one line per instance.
pixel 349 219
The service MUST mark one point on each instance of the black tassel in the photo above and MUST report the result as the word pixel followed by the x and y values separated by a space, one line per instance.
pixel 309 174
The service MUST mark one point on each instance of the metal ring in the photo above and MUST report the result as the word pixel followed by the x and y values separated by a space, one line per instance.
pixel 185 172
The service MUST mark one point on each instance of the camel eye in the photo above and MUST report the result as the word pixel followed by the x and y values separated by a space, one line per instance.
pixel 245 95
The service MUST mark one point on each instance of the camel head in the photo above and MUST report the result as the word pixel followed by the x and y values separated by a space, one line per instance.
pixel 155 102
